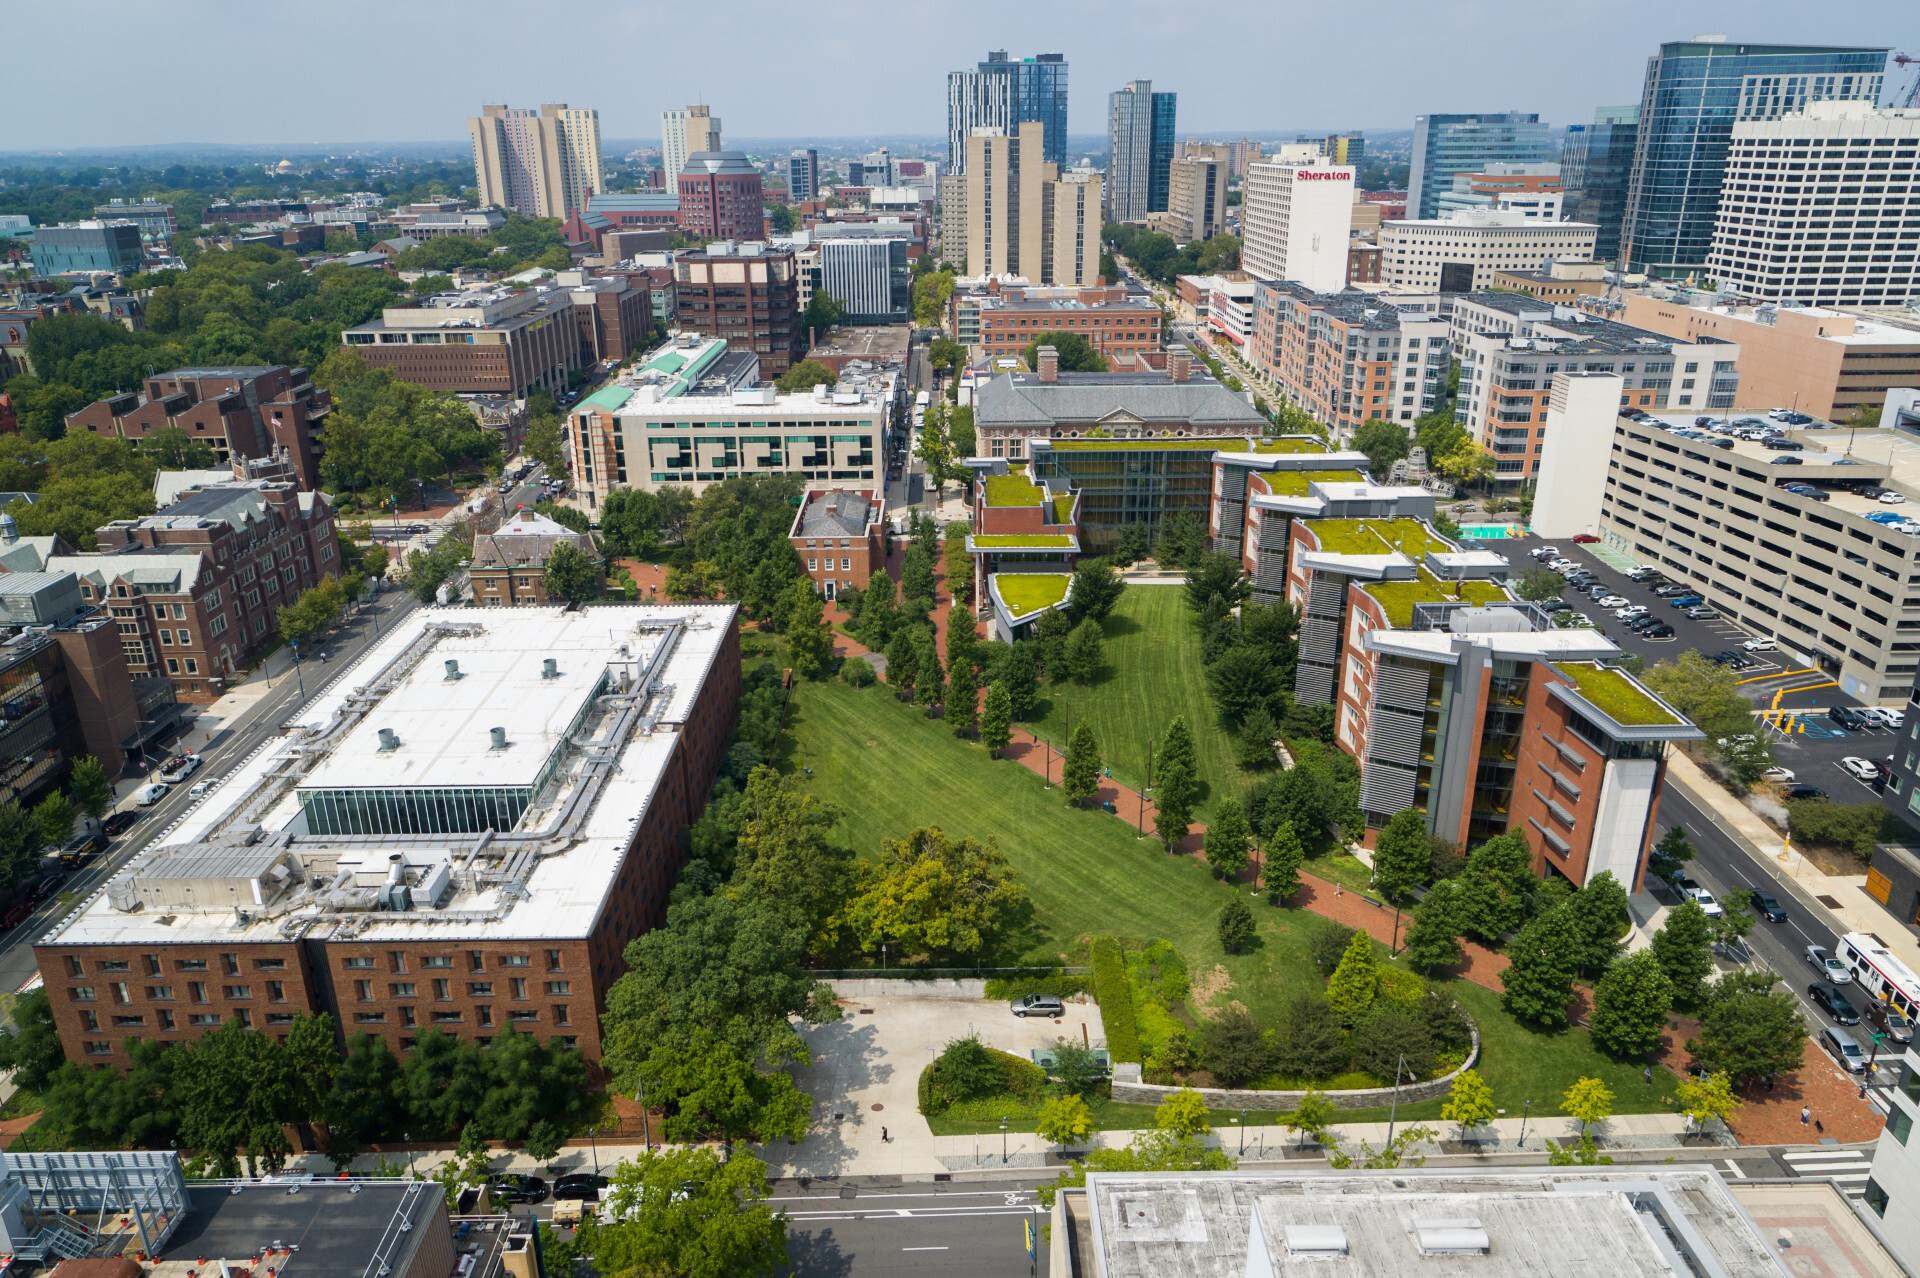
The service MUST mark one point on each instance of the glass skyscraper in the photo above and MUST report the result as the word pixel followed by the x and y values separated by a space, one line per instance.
pixel 1444 145
pixel 1695 91
pixel 1003 93
pixel 1140 140
pixel 1594 170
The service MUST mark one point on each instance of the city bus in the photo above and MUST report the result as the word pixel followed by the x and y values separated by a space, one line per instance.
pixel 1879 972
pixel 922 400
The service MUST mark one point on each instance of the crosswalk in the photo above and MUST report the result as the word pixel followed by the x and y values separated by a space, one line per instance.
pixel 1845 1167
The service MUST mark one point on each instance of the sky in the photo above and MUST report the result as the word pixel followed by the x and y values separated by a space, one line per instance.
pixel 413 70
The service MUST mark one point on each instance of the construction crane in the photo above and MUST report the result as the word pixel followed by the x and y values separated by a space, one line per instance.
pixel 1912 95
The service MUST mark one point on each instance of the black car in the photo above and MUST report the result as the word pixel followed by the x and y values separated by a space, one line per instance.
pixel 1783 445
pixel 515 1187
pixel 1830 1000
pixel 1768 907
pixel 1806 792
pixel 118 824
pixel 584 1186
pixel 1847 718
pixel 1658 630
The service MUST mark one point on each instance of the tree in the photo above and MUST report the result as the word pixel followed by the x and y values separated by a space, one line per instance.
pixel 1750 1035
pixel 1064 1121
pixel 1236 926
pixel 996 720
pixel 1630 1006
pixel 1308 1039
pixel 805 375
pixel 1735 921
pixel 1683 948
pixel 962 696
pixel 1402 856
pixel 1227 839
pixel 1184 1114
pixel 1208 574
pixel 1253 744
pixel 823 312
pixel 1539 977
pixel 1433 940
pixel 88 787
pixel 1076 352
pixel 543 442
pixel 930 293
pixel 1078 1068
pixel 1282 862
pixel 934 895
pixel 1243 681
pixel 1096 589
pixel 571 574
pixel 1176 784
pixel 1384 444
pixel 1707 694
pixel 1537 585
pixel 708 1087
pixel 903 658
pixel 1234 1049
pixel 691 1213
pixel 1705 1099
pixel 54 816
pixel 1080 775
pixel 20 841
pixel 1313 1116
pixel 1132 546
pixel 31 1049
pixel 809 637
pixel 470 1165
pixel 1670 854
pixel 1149 1151
pixel 1469 1102
pixel 1354 984
pixel 930 682
pixel 1496 888
pixel 1588 1101
pixel 1085 654
pixel 1020 677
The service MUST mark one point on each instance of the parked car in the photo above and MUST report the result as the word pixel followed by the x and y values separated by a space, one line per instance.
pixel 1700 612
pixel 1831 1001
pixel 1797 419
pixel 1784 776
pixel 148 795
pixel 1768 907
pixel 1845 1048
pixel 46 885
pixel 1806 792
pixel 1547 552
pixel 1784 445
pixel 1613 601
pixel 1785 461
pixel 1556 605
pixel 1669 591
pixel 1883 717
pixel 1641 574
pixel 1708 906
pixel 1846 717
pixel 1658 630
pixel 118 823
pixel 517 1187
pixel 1762 644
pixel 1685 601
pixel 1631 610
pixel 1890 499
pixel 1585 539
pixel 580 1186
pixel 201 789
pixel 1039 1005
pixel 16 915
pixel 1890 1021
pixel 1640 623
pixel 1828 966
pixel 1860 769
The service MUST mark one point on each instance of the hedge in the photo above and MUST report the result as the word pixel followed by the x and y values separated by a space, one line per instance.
pixel 1058 984
pixel 1115 996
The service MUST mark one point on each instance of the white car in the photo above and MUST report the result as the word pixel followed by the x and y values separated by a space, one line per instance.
pixel 179 769
pixel 1778 414
pixel 1612 601
pixel 1630 611
pixel 1828 966
pixel 148 795
pixel 201 789
pixel 1892 718
pixel 1860 769
pixel 1785 776
pixel 1704 899
pixel 1762 644
pixel 1891 499
pixel 1547 552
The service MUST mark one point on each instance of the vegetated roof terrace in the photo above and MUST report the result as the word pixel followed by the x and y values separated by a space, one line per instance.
pixel 1397 598
pixel 1013 489
pixel 1022 541
pixel 1410 537
pixel 1025 593
pixel 1293 483
pixel 1616 695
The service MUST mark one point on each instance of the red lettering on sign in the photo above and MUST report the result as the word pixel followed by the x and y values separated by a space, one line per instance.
pixel 1322 175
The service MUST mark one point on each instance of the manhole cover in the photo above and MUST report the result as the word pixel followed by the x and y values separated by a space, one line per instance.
pixel 877 1107
pixel 1828 901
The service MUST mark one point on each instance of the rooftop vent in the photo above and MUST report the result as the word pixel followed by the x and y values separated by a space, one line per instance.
pixel 550 669
pixel 453 669
pixel 499 738
pixel 1463 1237
pixel 389 740
pixel 1316 1240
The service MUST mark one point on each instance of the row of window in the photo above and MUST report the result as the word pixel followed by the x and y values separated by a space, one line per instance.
pixel 443 989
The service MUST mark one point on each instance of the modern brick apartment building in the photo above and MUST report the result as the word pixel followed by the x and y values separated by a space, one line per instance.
pixel 241 411
pixel 499 342
pixel 837 532
pixel 462 836
pixel 1349 358
pixel 747 294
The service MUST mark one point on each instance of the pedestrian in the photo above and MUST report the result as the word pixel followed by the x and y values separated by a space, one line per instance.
pixel 1806 1115
pixel 1646 1076
pixel 884 1138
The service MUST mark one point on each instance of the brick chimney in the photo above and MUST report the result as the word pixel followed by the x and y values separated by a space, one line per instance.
pixel 1180 365
pixel 1049 364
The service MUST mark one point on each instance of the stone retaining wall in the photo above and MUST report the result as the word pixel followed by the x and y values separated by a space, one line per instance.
pixel 974 988
pixel 1359 1098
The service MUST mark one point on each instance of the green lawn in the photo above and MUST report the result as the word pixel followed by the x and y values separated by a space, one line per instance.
pixel 1153 673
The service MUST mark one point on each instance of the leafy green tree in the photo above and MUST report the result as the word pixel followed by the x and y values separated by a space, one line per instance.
pixel 930 683
pixel 709 1087
pixel 1469 1102
pixel 362 1105
pixel 1132 546
pixel 1085 654
pixel 1588 1101
pixel 1243 681
pixel 1433 940
pixel 1684 950
pixel 1282 862
pixel 1209 573
pixel 691 1213
pixel 1313 1116
pixel 1064 1121
pixel 1599 914
pixel 1096 589
pixel 1236 926
pixel 1537 585
pixel 21 839
pixel 1384 443
pixel 806 374
pixel 1176 783
pixel 1253 743
pixel 54 816
pixel 996 720
pixel 1078 1068
pixel 1308 1039
pixel 1736 920
pixel 571 574
pixel 1227 839
pixel 934 895
pixel 471 1164
pixel 1080 775
pixel 1356 982
pixel 1149 1151
pixel 1020 676
pixel 1184 1114
pixel 1402 856
pixel 1670 854
pixel 1496 888
pixel 31 1048
pixel 1233 1047
pixel 1539 977
pixel 1076 352
pixel 930 294
pixel 1704 1100
pixel 809 637
pixel 1630 1006
pixel 1750 1035
pixel 903 659
pixel 962 696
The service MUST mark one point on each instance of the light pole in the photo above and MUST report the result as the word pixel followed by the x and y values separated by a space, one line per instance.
pixel 1243 1133
pixel 1394 1110
pixel 1525 1110
pixel 646 1127
pixel 371 610
pixel 593 1134
pixel 408 1138
pixel 1003 1138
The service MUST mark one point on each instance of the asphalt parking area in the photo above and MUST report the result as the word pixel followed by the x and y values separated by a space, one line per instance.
pixel 1812 745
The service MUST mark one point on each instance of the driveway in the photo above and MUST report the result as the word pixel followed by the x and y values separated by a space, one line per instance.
pixel 866 1068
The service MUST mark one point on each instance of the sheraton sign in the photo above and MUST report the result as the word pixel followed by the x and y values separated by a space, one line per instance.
pixel 1322 175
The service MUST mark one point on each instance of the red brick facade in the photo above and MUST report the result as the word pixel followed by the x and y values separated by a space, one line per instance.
pixel 239 412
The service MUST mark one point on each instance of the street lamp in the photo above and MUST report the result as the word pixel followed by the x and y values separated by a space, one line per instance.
pixel 1394 1110
pixel 1243 1133
pixel 1525 1110
pixel 1003 1138
pixel 408 1138
pixel 593 1134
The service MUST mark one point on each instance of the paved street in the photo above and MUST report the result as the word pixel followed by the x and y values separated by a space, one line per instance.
pixel 919 1228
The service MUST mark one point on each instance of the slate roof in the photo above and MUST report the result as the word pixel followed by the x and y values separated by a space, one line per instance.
pixel 1022 399
pixel 149 571
pixel 525 540
pixel 836 513
pixel 29 554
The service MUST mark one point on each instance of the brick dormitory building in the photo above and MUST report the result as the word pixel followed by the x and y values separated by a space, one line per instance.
pixel 461 835
pixel 241 412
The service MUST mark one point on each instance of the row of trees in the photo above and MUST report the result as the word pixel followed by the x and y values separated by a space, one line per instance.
pixel 384 434
pixel 26 832
pixel 87 481
pixel 1160 259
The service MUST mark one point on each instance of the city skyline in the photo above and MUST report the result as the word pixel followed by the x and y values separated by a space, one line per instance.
pixel 768 94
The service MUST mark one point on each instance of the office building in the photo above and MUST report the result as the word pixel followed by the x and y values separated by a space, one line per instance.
pixel 1594 172
pixel 155 219
pixel 461 835
pixel 1457 254
pixel 1140 140
pixel 1196 195
pixel 1581 408
pixel 84 248
pixel 1893 1186
pixel 864 349
pixel 1004 93
pixel 243 412
pixel 1817 208
pixel 1510 347
pixel 509 564
pixel 476 343
pixel 1564 282
pixel 840 534
pixel 869 276
pixel 1296 216
pixel 1012 213
pixel 646 210
pixel 803 175
pixel 1826 362
pixel 992 319
pixel 1343 148
pixel 684 133
pixel 745 294
pixel 1532 190
pixel 1230 307
pixel 1446 144
pixel 721 197
pixel 1808 569
pixel 543 163
pixel 1695 91
pixel 696 414
pixel 1349 357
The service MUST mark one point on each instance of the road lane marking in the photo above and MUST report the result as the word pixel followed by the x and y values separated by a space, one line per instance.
pixel 925 1249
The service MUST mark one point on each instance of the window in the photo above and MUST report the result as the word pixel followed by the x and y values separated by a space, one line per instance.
pixel 519 985
pixel 159 993
pixel 129 1022
pixel 437 960
pixel 152 962
pixel 80 993
pixel 269 965
pixel 440 990
pixel 553 960
pixel 189 965
pixel 369 1018
pixel 279 1018
pixel 1899 1121
pixel 480 989
pixel 486 1014
pixel 119 991
pixel 276 991
pixel 197 991
pixel 204 1018
pixel 560 1014
pixel 237 991
pixel 166 1019
pixel 76 968
pixel 476 961
pixel 99 1049
pixel 113 965
pixel 396 961
pixel 361 961
pixel 1876 1197
pixel 230 964
pixel 515 960
pixel 363 990
pixel 446 1018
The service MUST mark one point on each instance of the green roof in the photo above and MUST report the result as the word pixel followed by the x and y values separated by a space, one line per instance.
pixel 1616 695
pixel 1193 443
pixel 1293 483
pixel 607 397
pixel 1063 508
pixel 1291 444
pixel 1013 490
pixel 1034 541
pixel 1025 593
pixel 1376 536
pixel 1397 598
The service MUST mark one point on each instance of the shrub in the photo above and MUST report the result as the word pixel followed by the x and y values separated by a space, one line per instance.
pixel 857 673
pixel 1327 946
pixel 1158 971
pixel 1115 996
pixel 1156 1028
pixel 1401 987
pixel 966 1069
pixel 933 1099
pixel 1236 1051
pixel 1058 984
pixel 1236 926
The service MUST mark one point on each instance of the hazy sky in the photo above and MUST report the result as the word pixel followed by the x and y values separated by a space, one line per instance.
pixel 413 70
